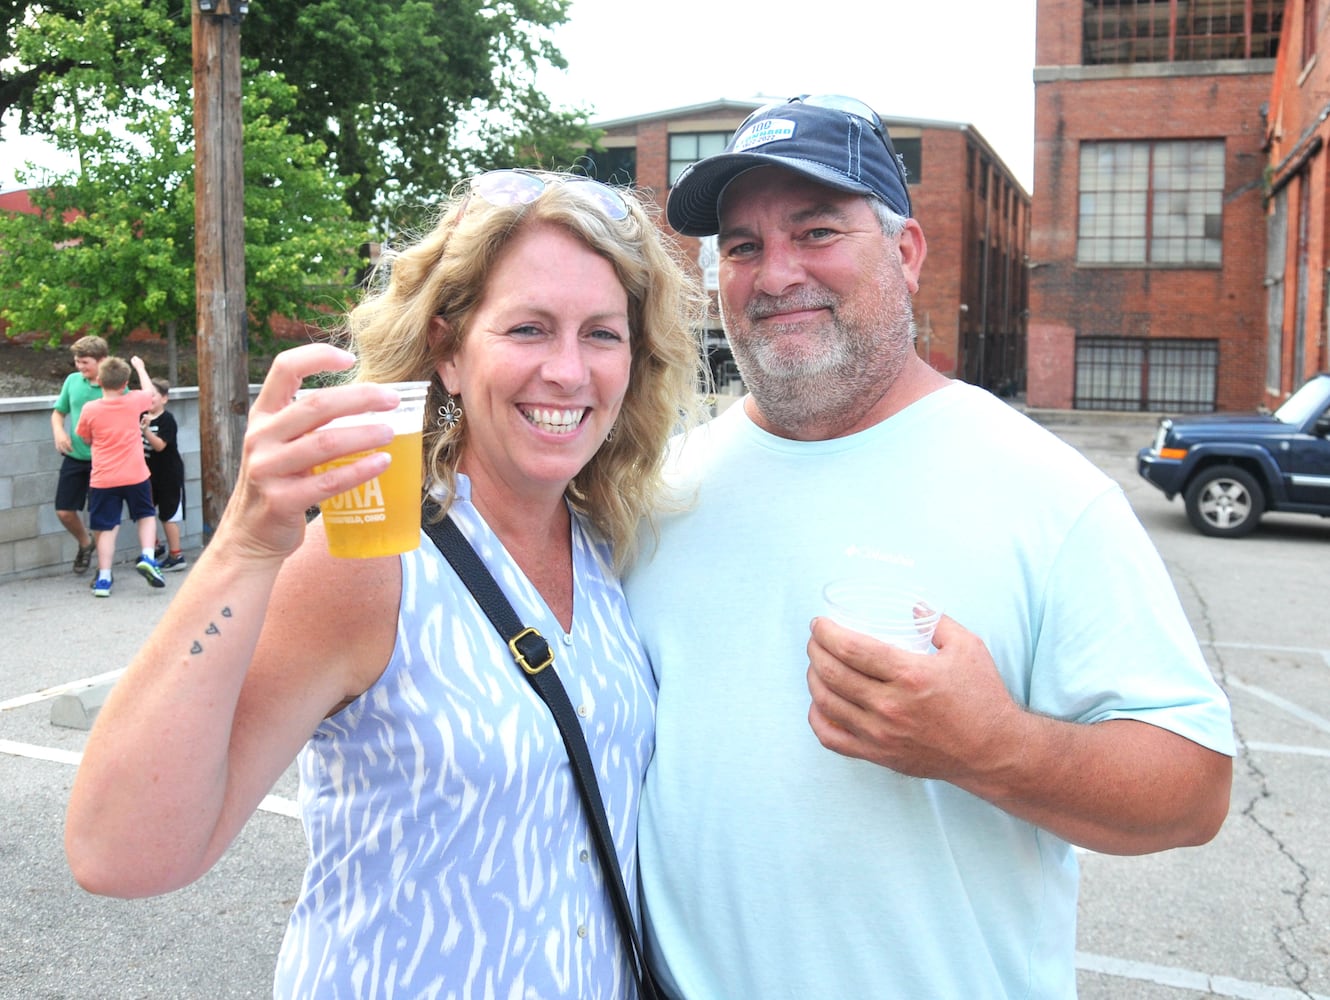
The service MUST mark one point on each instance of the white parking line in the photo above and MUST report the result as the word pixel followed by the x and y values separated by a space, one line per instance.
pixel 1187 979
pixel 271 803
pixel 1318 650
pixel 280 806
pixel 1293 709
pixel 55 692
pixel 1285 748
pixel 33 752
pixel 1298 650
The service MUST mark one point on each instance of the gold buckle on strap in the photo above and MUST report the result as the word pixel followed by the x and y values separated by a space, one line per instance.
pixel 520 657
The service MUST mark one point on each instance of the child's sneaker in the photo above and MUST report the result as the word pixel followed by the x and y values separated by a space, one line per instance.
pixel 159 552
pixel 101 587
pixel 147 568
pixel 172 564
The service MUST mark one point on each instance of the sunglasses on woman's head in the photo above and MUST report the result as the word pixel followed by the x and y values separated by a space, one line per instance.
pixel 522 187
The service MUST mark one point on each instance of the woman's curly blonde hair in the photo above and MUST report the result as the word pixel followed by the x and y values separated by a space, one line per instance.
pixel 444 274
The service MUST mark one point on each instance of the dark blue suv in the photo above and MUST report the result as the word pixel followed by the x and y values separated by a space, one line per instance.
pixel 1232 468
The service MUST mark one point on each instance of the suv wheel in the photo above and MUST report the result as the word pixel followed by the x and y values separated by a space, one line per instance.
pixel 1224 501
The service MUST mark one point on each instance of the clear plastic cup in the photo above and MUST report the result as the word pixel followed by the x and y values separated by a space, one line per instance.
pixel 886 611
pixel 381 517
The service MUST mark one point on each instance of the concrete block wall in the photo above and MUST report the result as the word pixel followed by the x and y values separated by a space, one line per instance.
pixel 32 540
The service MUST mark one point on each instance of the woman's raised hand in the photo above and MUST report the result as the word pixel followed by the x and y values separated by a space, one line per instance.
pixel 286 438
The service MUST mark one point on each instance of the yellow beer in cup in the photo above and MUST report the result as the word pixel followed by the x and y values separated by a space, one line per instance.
pixel 381 517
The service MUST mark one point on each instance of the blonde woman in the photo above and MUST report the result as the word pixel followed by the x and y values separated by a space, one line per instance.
pixel 449 852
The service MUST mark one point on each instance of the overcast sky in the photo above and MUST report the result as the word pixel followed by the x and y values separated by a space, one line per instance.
pixel 969 61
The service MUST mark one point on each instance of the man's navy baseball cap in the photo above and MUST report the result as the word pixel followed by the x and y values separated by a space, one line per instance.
pixel 836 141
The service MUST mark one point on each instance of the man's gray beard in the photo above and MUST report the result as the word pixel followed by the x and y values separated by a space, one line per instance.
pixel 837 385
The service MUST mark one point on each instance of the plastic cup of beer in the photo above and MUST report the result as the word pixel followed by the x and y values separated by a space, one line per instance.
pixel 887 611
pixel 380 517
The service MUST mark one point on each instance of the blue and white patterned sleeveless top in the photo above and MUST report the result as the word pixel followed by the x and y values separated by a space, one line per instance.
pixel 449 852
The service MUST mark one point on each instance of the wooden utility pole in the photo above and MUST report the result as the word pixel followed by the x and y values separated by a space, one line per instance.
pixel 219 250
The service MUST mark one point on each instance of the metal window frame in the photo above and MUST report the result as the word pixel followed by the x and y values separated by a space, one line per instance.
pixel 675 165
pixel 1115 32
pixel 1136 374
pixel 1106 249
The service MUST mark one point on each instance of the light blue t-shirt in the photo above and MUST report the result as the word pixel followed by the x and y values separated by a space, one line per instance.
pixel 775 868
pixel 449 852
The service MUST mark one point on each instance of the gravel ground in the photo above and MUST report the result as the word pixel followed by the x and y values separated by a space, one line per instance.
pixel 14 384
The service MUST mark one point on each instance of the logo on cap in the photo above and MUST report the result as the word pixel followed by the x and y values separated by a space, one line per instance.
pixel 763 132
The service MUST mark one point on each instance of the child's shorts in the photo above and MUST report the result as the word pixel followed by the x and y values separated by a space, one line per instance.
pixel 71 490
pixel 104 503
pixel 169 495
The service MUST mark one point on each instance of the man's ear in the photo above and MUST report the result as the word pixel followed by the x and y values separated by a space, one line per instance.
pixel 913 249
pixel 439 338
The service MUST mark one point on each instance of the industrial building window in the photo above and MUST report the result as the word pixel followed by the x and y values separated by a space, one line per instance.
pixel 910 150
pixel 1135 374
pixel 689 147
pixel 1276 255
pixel 1153 204
pixel 616 165
pixel 1136 31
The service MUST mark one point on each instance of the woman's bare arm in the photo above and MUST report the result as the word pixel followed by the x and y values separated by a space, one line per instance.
pixel 245 662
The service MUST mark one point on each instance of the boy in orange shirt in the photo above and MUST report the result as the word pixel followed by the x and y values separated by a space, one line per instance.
pixel 119 473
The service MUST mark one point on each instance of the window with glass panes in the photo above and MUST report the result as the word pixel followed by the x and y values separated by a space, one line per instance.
pixel 1144 31
pixel 614 165
pixel 910 150
pixel 1134 374
pixel 689 147
pixel 1154 204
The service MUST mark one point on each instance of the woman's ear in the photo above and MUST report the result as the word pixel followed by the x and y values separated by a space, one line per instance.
pixel 440 346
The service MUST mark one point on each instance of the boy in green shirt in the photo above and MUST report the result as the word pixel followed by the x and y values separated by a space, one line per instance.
pixel 71 491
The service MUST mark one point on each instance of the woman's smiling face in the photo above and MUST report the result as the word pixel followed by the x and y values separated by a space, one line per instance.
pixel 543 366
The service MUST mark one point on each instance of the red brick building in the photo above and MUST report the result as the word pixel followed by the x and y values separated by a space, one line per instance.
pixel 1147 246
pixel 17 201
pixel 1297 255
pixel 971 307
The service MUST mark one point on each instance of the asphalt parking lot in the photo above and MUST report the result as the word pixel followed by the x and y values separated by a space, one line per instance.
pixel 1247 916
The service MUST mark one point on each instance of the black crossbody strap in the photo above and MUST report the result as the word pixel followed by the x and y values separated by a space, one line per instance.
pixel 535 658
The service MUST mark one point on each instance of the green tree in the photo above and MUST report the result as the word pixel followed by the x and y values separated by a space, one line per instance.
pixel 407 96
pixel 51 49
pixel 111 248
pixel 411 96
